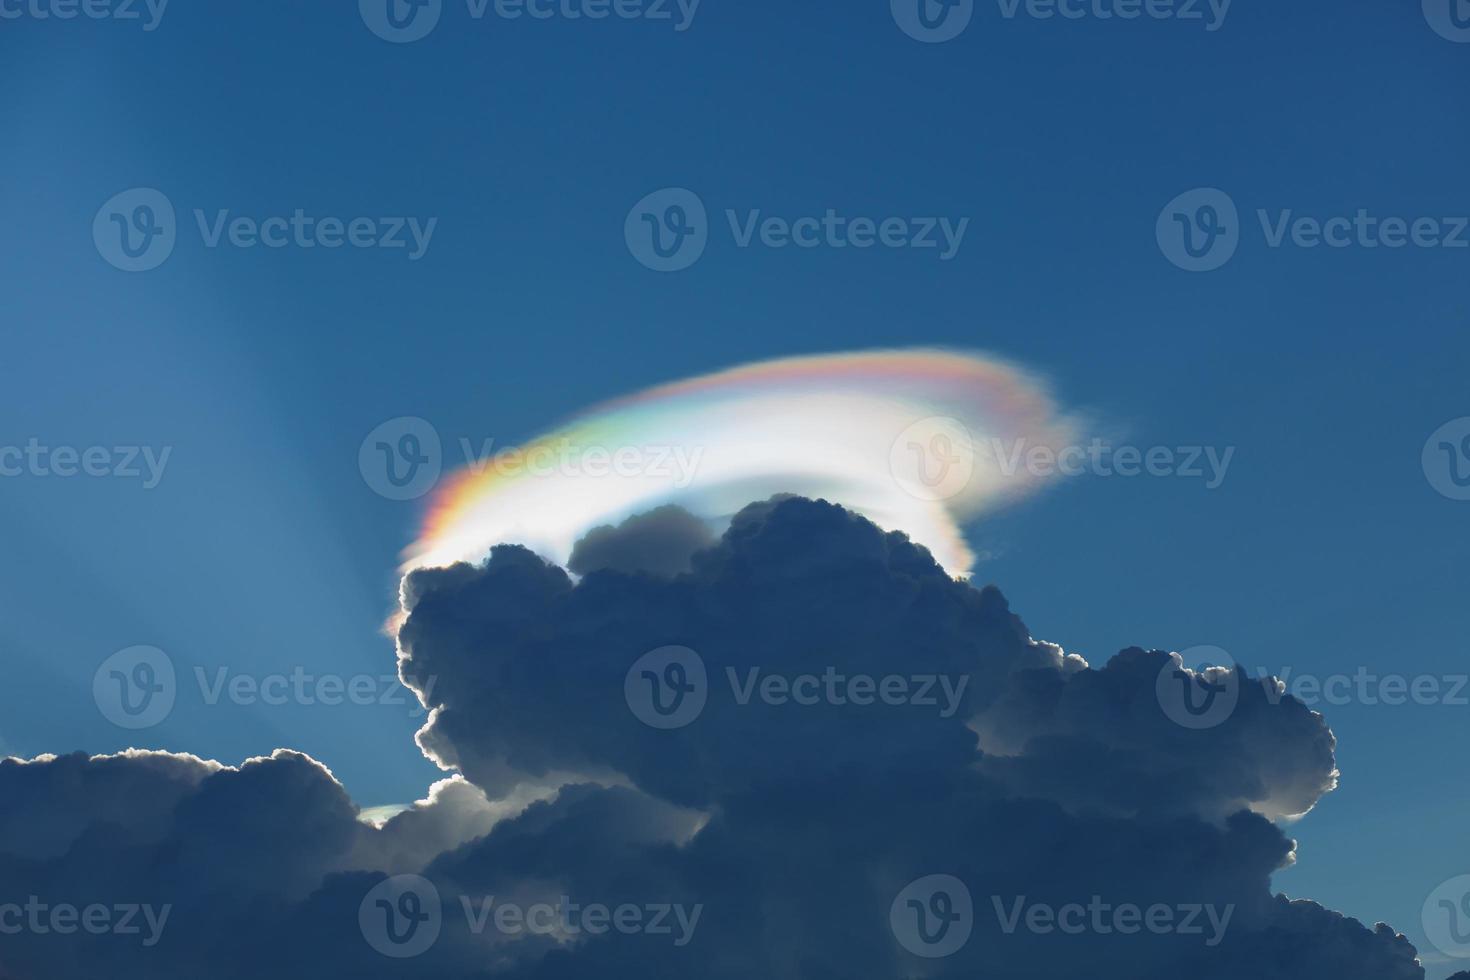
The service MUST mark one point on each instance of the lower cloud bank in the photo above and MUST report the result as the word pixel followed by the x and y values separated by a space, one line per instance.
pixel 1061 818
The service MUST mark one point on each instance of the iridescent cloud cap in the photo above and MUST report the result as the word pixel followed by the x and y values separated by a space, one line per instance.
pixel 918 441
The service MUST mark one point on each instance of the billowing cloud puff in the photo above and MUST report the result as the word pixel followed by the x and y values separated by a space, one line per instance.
pixel 662 540
pixel 1098 740
pixel 760 766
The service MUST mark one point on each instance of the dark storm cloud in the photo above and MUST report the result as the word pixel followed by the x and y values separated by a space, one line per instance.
pixel 781 832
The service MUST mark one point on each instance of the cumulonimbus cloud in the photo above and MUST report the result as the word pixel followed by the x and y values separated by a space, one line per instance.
pixel 790 827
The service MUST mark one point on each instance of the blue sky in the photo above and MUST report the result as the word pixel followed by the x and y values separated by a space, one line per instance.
pixel 1325 550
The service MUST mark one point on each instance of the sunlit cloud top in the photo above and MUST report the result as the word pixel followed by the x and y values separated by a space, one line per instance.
pixel 915 440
